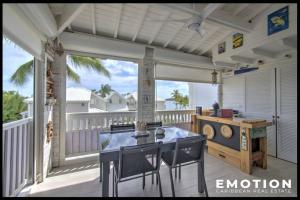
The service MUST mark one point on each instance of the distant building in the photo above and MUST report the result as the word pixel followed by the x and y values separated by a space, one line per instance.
pixel 131 100
pixel 115 102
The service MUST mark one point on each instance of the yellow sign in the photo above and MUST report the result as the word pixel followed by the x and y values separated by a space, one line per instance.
pixel 237 40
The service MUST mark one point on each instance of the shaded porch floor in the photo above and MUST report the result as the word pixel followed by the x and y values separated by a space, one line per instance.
pixel 82 180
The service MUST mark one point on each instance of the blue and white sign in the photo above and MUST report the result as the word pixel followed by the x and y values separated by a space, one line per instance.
pixel 278 20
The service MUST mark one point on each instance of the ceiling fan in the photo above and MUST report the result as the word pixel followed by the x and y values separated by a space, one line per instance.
pixel 195 22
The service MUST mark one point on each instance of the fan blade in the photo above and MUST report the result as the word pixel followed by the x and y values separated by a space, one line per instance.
pixel 169 20
pixel 209 9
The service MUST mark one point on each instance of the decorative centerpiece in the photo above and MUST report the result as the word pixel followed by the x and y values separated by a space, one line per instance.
pixel 140 129
pixel 216 107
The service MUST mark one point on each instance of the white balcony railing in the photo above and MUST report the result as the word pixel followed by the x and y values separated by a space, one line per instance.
pixel 82 128
pixel 17 142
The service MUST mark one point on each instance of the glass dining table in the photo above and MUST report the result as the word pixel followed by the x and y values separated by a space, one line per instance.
pixel 111 143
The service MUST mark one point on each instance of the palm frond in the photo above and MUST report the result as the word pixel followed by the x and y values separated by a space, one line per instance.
pixel 89 63
pixel 72 75
pixel 23 72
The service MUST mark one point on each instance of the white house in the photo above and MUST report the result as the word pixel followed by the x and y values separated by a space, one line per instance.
pixel 115 102
pixel 131 100
pixel 84 100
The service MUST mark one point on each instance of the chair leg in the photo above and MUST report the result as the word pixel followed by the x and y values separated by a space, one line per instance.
pixel 179 171
pixel 101 172
pixel 117 194
pixel 143 181
pixel 113 187
pixel 152 172
pixel 172 183
pixel 159 183
pixel 203 178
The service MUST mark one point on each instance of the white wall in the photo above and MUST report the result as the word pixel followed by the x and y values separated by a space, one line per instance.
pixel 77 106
pixel 202 94
pixel 115 103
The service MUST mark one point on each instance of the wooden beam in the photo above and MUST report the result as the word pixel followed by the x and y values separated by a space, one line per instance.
pixel 184 42
pixel 243 59
pixel 117 24
pixel 71 11
pixel 265 53
pixel 220 18
pixel 140 22
pixel 173 35
pixel 241 7
pixel 289 43
pixel 216 41
pixel 93 18
pixel 158 28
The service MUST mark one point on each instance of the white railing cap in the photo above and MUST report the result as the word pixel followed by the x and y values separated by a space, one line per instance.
pixel 17 123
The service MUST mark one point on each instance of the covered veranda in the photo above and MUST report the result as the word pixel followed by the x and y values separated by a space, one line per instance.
pixel 164 50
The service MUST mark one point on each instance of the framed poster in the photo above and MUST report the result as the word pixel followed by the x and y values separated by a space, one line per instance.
pixel 237 40
pixel 278 20
pixel 221 47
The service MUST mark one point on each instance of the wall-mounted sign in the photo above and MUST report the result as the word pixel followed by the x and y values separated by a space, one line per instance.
pixel 221 47
pixel 278 20
pixel 237 40
pixel 244 70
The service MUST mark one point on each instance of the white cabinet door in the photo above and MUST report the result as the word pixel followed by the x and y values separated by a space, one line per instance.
pixel 287 111
pixel 260 101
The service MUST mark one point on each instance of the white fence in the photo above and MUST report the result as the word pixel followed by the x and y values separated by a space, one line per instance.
pixel 17 142
pixel 82 128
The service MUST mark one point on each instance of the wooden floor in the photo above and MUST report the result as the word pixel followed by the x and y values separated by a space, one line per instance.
pixel 83 180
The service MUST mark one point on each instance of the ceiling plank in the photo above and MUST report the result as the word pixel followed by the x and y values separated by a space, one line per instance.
pixel 117 24
pixel 159 27
pixel 206 36
pixel 184 42
pixel 173 35
pixel 138 28
pixel 71 11
pixel 260 8
pixel 241 7
pixel 242 59
pixel 93 18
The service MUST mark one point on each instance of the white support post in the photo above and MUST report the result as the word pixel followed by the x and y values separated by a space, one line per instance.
pixel 59 109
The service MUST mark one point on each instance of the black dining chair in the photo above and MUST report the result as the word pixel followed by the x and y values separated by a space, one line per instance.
pixel 133 163
pixel 117 128
pixel 152 126
pixel 187 151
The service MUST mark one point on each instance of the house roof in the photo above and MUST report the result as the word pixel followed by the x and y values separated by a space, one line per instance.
pixel 78 94
pixel 111 94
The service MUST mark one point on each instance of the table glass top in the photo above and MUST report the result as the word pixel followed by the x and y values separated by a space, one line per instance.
pixel 110 142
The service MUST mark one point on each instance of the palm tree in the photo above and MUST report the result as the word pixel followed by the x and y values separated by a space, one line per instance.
pixel 176 95
pixel 105 90
pixel 24 71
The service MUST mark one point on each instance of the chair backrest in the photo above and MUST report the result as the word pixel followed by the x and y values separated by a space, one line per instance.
pixel 188 149
pixel 121 127
pixel 134 160
pixel 153 125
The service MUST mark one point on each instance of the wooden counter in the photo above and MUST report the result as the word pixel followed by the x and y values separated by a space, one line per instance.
pixel 230 149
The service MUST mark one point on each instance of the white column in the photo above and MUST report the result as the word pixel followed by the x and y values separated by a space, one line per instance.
pixel 220 91
pixel 39 92
pixel 59 110
pixel 146 87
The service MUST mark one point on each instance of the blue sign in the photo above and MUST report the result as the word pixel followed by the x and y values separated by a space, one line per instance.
pixel 244 70
pixel 278 20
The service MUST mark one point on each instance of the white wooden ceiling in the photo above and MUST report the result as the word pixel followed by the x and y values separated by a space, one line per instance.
pixel 130 22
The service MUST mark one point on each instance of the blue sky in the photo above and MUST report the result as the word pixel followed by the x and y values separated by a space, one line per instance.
pixel 123 75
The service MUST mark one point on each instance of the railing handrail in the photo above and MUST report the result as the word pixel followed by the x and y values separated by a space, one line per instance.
pixel 186 110
pixel 102 113
pixel 16 123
